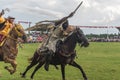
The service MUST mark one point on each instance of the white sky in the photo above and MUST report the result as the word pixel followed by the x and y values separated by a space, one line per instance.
pixel 91 12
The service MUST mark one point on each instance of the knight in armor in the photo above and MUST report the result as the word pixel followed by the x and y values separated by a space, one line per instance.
pixel 59 30
pixel 6 24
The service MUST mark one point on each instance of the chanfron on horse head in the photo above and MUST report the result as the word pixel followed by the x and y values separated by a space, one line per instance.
pixel 65 54
pixel 9 50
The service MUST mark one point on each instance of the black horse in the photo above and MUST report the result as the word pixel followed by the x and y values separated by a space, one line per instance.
pixel 65 54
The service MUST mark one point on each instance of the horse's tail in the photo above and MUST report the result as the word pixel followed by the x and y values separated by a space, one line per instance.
pixel 35 57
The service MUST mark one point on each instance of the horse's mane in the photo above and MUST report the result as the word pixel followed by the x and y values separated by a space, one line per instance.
pixel 71 35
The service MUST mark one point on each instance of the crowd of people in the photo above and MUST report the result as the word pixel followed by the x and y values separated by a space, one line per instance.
pixel 36 37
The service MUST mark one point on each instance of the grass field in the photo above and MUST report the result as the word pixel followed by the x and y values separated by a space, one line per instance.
pixel 100 61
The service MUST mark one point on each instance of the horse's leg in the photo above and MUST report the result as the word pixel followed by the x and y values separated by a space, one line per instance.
pixel 36 68
pixel 13 63
pixel 78 66
pixel 63 71
pixel 34 61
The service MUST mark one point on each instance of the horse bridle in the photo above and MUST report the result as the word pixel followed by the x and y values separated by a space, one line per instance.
pixel 19 34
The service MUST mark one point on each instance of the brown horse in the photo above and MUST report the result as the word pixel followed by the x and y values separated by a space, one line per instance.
pixel 65 54
pixel 9 50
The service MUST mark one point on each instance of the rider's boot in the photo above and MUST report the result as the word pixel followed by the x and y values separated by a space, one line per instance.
pixel 48 60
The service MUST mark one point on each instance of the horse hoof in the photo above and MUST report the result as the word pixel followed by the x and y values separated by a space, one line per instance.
pixel 12 72
pixel 32 79
pixel 85 79
pixel 46 67
pixel 23 76
pixel 6 67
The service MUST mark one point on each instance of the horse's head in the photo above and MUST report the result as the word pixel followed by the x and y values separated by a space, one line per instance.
pixel 19 31
pixel 81 38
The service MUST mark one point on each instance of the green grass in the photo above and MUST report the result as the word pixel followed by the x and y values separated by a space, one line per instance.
pixel 100 61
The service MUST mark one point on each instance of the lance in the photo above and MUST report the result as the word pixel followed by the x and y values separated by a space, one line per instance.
pixel 77 7
pixel 70 15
